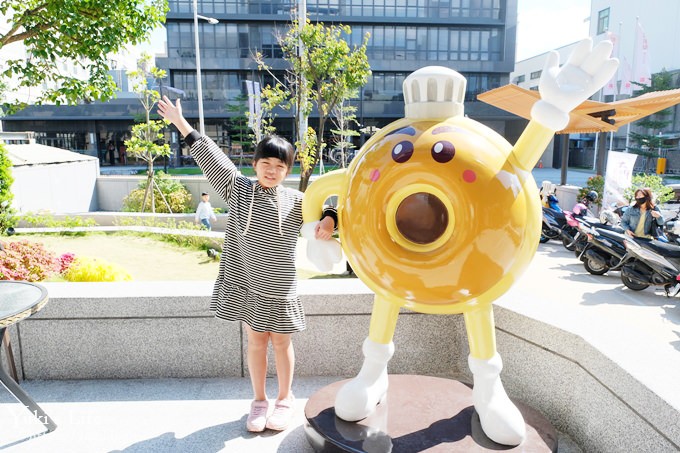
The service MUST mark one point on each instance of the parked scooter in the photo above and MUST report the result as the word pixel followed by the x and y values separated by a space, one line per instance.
pixel 672 229
pixel 650 263
pixel 604 249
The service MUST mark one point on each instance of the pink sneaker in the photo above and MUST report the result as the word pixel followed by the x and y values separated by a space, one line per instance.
pixel 282 415
pixel 257 419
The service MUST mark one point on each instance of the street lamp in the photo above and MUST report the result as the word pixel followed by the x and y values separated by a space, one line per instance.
pixel 199 87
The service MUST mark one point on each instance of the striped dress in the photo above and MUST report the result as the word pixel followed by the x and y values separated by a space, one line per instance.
pixel 257 281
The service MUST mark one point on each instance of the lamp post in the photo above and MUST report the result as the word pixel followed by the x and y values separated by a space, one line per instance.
pixel 199 87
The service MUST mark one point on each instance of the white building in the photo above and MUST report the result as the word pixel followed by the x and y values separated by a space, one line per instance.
pixel 48 179
pixel 618 20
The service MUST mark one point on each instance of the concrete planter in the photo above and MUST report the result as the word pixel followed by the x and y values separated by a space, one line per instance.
pixel 164 329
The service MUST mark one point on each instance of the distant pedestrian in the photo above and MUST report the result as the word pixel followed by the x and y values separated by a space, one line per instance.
pixel 111 150
pixel 204 211
pixel 122 154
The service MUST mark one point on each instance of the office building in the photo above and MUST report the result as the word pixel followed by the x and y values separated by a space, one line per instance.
pixel 474 37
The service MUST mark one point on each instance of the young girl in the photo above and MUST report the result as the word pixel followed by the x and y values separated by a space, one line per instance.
pixel 257 281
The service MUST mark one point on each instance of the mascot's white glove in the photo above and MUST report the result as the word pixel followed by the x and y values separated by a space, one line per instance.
pixel 323 254
pixel 564 88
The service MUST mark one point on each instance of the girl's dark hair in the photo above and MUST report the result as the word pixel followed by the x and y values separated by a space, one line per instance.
pixel 275 146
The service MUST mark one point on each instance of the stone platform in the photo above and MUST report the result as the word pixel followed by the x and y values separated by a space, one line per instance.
pixel 421 413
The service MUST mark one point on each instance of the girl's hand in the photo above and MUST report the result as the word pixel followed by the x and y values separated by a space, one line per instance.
pixel 324 229
pixel 630 233
pixel 173 113
pixel 655 214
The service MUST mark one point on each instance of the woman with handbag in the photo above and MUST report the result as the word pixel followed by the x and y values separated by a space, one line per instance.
pixel 642 219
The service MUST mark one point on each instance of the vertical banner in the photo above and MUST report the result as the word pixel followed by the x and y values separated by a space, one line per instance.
pixel 251 104
pixel 618 178
pixel 257 106
pixel 626 85
pixel 642 72
pixel 611 87
pixel 254 107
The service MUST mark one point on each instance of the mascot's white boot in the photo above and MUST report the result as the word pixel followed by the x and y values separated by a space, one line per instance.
pixel 501 420
pixel 358 398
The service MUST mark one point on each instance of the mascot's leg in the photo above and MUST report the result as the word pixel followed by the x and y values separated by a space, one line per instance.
pixel 358 398
pixel 501 420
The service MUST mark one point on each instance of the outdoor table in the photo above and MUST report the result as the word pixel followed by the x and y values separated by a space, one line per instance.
pixel 18 301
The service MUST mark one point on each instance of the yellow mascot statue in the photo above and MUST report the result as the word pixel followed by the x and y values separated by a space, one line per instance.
pixel 440 214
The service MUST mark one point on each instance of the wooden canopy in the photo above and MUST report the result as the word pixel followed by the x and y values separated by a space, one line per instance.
pixel 588 117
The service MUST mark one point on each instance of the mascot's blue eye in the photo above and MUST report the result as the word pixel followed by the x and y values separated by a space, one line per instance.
pixel 443 151
pixel 402 152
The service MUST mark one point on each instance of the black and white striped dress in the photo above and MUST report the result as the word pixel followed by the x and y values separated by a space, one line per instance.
pixel 257 281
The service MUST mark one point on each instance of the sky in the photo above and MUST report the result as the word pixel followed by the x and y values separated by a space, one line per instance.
pixel 543 25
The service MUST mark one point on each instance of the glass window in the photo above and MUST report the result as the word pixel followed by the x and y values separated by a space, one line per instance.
pixel 603 21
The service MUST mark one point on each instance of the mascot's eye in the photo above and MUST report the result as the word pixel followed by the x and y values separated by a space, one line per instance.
pixel 443 152
pixel 402 152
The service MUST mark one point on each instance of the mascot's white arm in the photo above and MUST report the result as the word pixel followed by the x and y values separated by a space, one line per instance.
pixel 323 254
pixel 564 88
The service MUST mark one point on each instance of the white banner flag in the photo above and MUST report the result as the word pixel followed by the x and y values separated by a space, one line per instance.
pixel 642 72
pixel 611 87
pixel 254 109
pixel 618 178
pixel 626 85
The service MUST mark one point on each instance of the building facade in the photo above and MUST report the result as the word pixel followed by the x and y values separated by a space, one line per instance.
pixel 474 37
pixel 644 34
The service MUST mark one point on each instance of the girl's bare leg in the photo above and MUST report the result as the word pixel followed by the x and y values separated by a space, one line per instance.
pixel 284 355
pixel 257 361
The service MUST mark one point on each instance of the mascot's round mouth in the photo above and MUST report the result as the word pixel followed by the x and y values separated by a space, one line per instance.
pixel 420 218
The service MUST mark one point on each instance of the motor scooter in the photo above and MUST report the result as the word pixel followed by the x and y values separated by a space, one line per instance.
pixel 604 249
pixel 649 262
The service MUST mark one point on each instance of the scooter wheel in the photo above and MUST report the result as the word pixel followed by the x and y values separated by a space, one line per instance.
pixel 595 268
pixel 635 286
pixel 568 244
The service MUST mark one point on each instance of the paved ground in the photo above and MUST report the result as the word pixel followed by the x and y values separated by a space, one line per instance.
pixel 639 330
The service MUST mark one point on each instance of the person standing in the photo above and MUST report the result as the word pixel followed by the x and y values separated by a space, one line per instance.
pixel 641 219
pixel 204 211
pixel 111 150
pixel 257 280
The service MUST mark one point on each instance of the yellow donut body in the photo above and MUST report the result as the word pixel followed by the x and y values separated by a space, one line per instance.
pixel 438 231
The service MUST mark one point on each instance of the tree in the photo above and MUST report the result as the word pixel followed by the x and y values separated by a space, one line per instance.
pixel 326 72
pixel 239 133
pixel 147 142
pixel 82 32
pixel 344 115
pixel 650 143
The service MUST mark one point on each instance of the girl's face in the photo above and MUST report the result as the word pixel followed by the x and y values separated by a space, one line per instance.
pixel 270 171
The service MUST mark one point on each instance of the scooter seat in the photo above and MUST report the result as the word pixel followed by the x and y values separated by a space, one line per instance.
pixel 663 248
pixel 613 232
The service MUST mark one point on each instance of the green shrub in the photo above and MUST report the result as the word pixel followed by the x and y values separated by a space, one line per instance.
pixel 595 183
pixel 29 261
pixel 177 196
pixel 7 218
pixel 84 269
pixel 47 220
pixel 661 192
